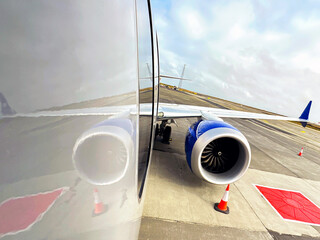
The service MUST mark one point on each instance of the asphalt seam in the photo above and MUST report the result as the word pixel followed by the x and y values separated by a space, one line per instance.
pixel 252 209
pixel 201 224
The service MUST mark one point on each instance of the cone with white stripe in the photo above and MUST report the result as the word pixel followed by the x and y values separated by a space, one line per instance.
pixel 222 206
pixel 99 207
pixel 300 153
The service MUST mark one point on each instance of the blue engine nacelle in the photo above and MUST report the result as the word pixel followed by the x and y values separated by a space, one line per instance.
pixel 217 152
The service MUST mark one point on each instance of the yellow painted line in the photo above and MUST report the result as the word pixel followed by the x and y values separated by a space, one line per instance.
pixel 303 131
pixel 208 98
pixel 265 121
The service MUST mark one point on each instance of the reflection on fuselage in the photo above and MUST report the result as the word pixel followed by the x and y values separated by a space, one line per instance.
pixel 64 57
pixel 36 157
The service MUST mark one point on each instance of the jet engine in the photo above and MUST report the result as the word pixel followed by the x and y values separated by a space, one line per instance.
pixel 217 152
pixel 101 154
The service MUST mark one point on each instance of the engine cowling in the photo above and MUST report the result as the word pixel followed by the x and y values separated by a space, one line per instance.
pixel 217 152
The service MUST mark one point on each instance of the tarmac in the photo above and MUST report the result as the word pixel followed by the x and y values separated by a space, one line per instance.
pixel 179 205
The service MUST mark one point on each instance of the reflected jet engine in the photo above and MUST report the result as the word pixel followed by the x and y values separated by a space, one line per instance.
pixel 101 155
pixel 217 152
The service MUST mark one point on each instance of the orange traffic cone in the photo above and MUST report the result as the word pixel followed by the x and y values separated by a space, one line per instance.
pixel 99 207
pixel 222 206
pixel 301 151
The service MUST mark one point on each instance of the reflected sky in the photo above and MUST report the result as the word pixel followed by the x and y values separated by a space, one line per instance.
pixel 63 52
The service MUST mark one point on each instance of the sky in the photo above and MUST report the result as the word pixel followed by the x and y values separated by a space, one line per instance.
pixel 264 54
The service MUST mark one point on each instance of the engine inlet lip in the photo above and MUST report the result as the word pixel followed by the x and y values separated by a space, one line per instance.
pixel 109 131
pixel 204 140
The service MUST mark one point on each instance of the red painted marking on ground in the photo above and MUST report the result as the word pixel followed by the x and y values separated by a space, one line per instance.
pixel 18 214
pixel 291 205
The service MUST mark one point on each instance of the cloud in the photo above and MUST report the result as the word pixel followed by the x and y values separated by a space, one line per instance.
pixel 192 22
pixel 263 54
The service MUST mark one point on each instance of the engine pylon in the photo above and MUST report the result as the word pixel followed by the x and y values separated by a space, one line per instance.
pixel 222 206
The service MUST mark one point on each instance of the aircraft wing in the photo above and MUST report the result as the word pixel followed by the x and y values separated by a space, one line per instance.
pixel 169 111
pixel 165 111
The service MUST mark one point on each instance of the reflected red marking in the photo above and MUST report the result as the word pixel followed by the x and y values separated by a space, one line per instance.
pixel 19 214
pixel 291 205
